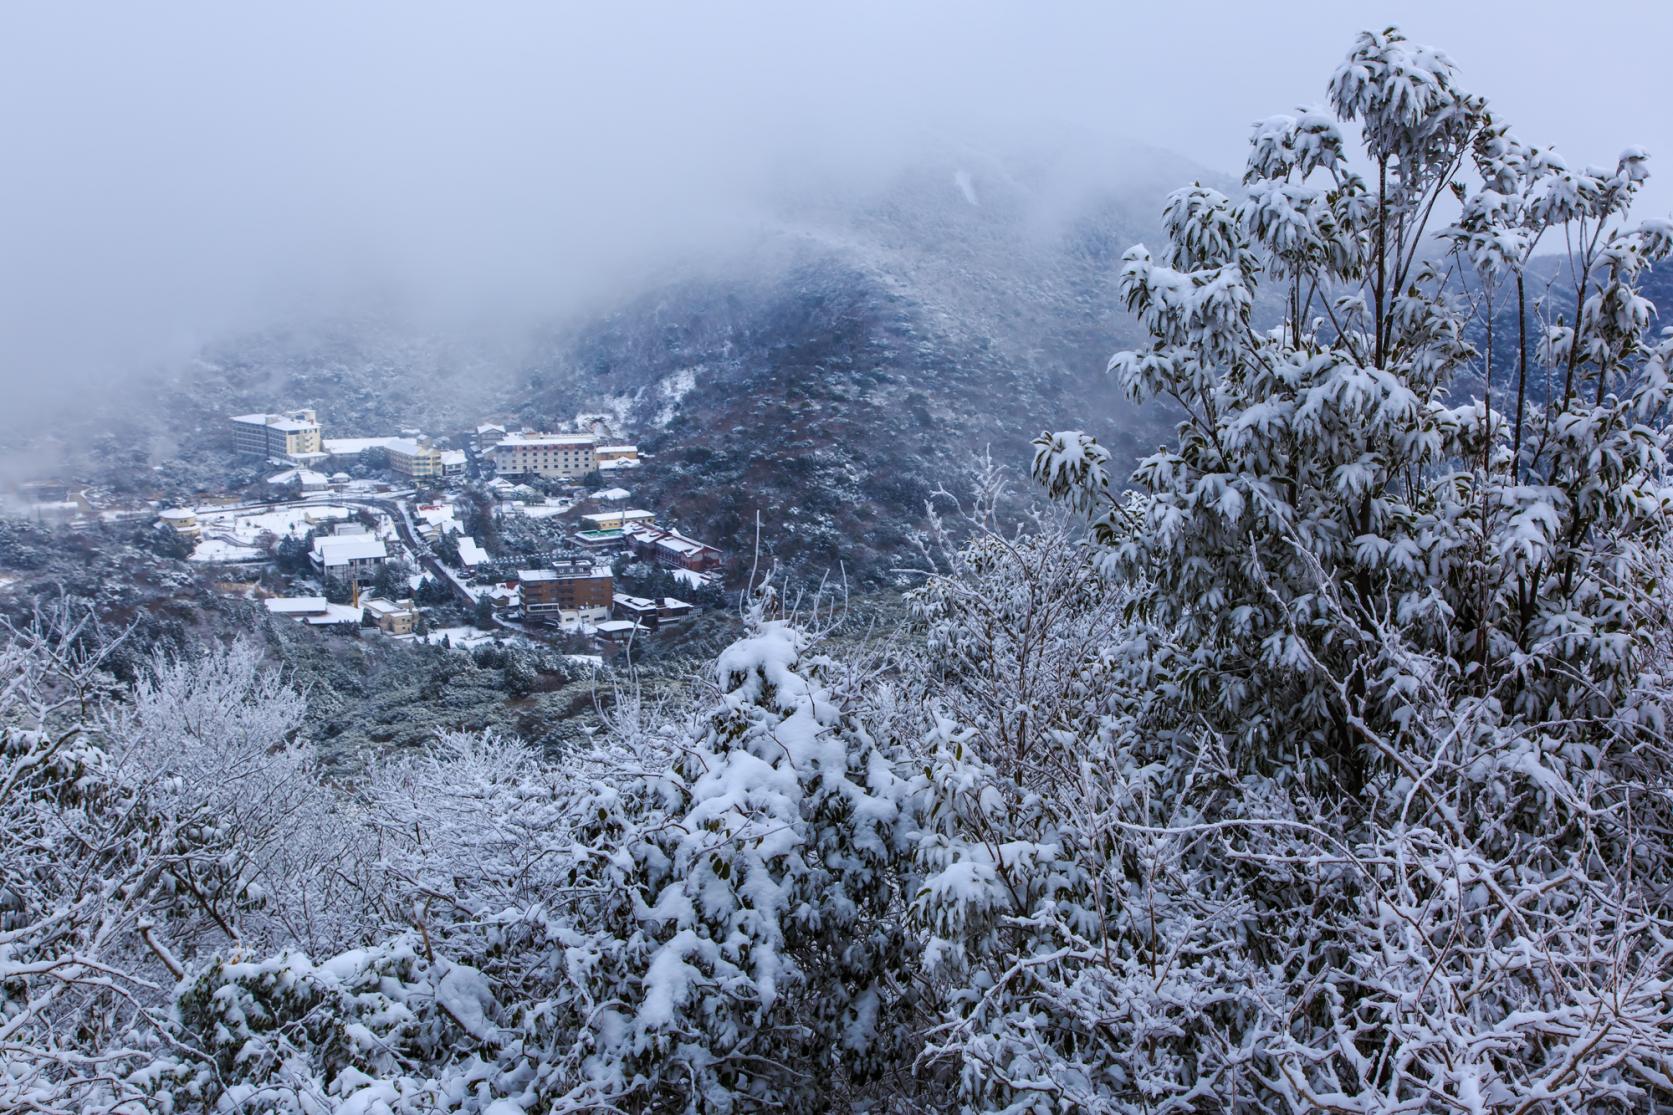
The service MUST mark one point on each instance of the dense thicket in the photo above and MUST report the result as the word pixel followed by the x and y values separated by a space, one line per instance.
pixel 1328 771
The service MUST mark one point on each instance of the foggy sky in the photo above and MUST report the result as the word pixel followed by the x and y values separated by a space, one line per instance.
pixel 170 172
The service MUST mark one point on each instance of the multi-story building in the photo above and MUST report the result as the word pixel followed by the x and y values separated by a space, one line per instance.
pixel 616 456
pixel 413 457
pixel 294 434
pixel 571 590
pixel 555 455
pixel 671 549
pixel 488 435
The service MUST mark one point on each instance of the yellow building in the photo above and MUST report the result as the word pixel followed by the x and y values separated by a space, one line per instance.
pixel 393 617
pixel 295 433
pixel 414 457
pixel 183 520
pixel 616 520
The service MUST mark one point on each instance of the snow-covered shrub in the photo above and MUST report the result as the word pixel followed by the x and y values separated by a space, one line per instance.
pixel 745 941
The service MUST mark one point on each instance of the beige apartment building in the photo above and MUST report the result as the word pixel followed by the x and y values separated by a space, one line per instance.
pixel 555 455
pixel 414 457
pixel 410 456
pixel 294 433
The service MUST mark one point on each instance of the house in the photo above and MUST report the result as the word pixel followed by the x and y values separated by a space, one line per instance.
pixel 299 479
pixel 618 631
pixel 354 557
pixel 571 591
pixel 671 549
pixel 652 614
pixel 503 597
pixel 316 611
pixel 638 608
pixel 612 495
pixel 671 610
pixel 452 462
pixel 488 435
pixel 616 520
pixel 471 555
pixel 393 617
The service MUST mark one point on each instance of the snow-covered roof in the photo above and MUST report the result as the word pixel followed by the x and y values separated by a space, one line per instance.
pixel 618 626
pixel 336 613
pixel 297 605
pixel 490 427
pixel 435 513
pixel 349 446
pixel 512 441
pixel 670 540
pixel 352 547
pixel 378 606
pixel 470 553
pixel 453 456
pixel 637 603
pixel 306 477
pixel 617 449
pixel 612 495
pixel 601 518
pixel 177 515
pixel 408 447
pixel 276 421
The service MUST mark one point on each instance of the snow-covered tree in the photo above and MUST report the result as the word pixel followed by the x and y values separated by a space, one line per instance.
pixel 1416 634
pixel 762 940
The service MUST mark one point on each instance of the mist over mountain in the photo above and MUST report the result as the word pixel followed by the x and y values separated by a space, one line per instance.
pixel 840 361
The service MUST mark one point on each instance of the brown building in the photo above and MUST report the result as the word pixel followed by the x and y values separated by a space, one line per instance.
pixel 671 549
pixel 572 590
pixel 651 613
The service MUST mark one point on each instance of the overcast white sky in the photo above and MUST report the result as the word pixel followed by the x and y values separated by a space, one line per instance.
pixel 173 170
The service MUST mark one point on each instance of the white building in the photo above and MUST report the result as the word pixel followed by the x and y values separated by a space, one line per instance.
pixel 302 479
pixel 354 557
pixel 471 555
pixel 555 455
